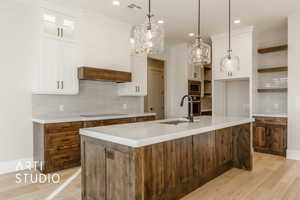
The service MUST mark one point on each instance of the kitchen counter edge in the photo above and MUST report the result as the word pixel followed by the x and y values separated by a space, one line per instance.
pixel 81 119
pixel 155 140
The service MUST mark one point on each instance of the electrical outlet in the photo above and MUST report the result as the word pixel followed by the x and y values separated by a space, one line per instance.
pixel 125 106
pixel 61 108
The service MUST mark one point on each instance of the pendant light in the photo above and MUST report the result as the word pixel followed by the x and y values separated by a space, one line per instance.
pixel 148 37
pixel 230 63
pixel 200 51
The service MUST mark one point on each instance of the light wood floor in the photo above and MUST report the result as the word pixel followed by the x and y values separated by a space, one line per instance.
pixel 273 178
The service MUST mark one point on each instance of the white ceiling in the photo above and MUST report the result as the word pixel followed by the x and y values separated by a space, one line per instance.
pixel 180 16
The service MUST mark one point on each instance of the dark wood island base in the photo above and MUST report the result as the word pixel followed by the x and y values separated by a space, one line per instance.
pixel 164 171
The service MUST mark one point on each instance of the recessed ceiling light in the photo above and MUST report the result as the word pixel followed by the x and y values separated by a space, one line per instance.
pixel 161 21
pixel 116 2
pixel 237 21
pixel 191 34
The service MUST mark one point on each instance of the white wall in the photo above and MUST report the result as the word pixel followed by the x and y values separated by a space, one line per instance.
pixel 18 50
pixel 177 79
pixel 294 87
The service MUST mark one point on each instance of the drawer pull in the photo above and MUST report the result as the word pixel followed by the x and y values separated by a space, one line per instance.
pixel 110 154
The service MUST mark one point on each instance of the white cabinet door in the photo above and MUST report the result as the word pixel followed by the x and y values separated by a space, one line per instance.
pixel 139 73
pixel 129 89
pixel 59 56
pixel 50 21
pixel 69 66
pixel 219 50
pixel 49 66
pixel 138 86
pixel 67 28
pixel 241 46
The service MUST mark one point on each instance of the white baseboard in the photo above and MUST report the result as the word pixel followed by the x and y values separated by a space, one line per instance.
pixel 293 154
pixel 11 166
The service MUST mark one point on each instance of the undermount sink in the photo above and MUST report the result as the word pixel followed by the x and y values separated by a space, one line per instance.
pixel 175 122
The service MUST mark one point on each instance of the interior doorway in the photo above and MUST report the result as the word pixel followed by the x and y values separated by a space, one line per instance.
pixel 154 101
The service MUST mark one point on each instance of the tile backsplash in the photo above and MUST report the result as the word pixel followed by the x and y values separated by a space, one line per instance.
pixel 94 97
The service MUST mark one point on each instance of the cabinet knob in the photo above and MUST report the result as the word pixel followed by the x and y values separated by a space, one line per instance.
pixel 62 84
pixel 57 83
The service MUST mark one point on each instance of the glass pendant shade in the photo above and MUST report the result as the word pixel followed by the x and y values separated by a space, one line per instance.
pixel 230 64
pixel 148 37
pixel 200 52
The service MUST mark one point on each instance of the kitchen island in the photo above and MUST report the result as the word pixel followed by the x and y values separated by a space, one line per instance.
pixel 161 160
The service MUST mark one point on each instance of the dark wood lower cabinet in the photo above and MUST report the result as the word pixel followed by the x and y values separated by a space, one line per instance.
pixel 164 171
pixel 270 135
pixel 57 145
pixel 224 144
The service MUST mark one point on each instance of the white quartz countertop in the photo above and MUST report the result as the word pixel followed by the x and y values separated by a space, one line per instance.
pixel 79 118
pixel 147 133
pixel 271 115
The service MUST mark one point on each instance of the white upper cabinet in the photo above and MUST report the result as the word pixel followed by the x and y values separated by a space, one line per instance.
pixel 57 73
pixel 242 46
pixel 138 86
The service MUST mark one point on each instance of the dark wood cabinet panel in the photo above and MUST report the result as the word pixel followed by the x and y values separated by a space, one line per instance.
pixel 270 135
pixel 62 127
pixel 90 124
pixel 62 140
pixel 260 136
pixel 56 160
pixel 145 119
pixel 242 147
pixel 93 176
pixel 169 168
pixel 117 175
pixel 224 150
pixel 118 121
pixel 61 148
pixel 204 154
pixel 277 138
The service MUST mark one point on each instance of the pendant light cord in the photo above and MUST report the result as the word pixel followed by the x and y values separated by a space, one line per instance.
pixel 149 14
pixel 199 18
pixel 229 28
pixel 149 8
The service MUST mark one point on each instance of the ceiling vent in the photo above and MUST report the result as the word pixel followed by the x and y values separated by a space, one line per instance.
pixel 134 6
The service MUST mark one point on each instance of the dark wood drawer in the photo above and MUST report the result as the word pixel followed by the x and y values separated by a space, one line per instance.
pixel 62 159
pixel 62 140
pixel 144 119
pixel 90 124
pixel 271 120
pixel 63 127
pixel 118 121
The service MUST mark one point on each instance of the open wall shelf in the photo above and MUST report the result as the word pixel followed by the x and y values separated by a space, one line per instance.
pixel 273 49
pixel 273 69
pixel 272 90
